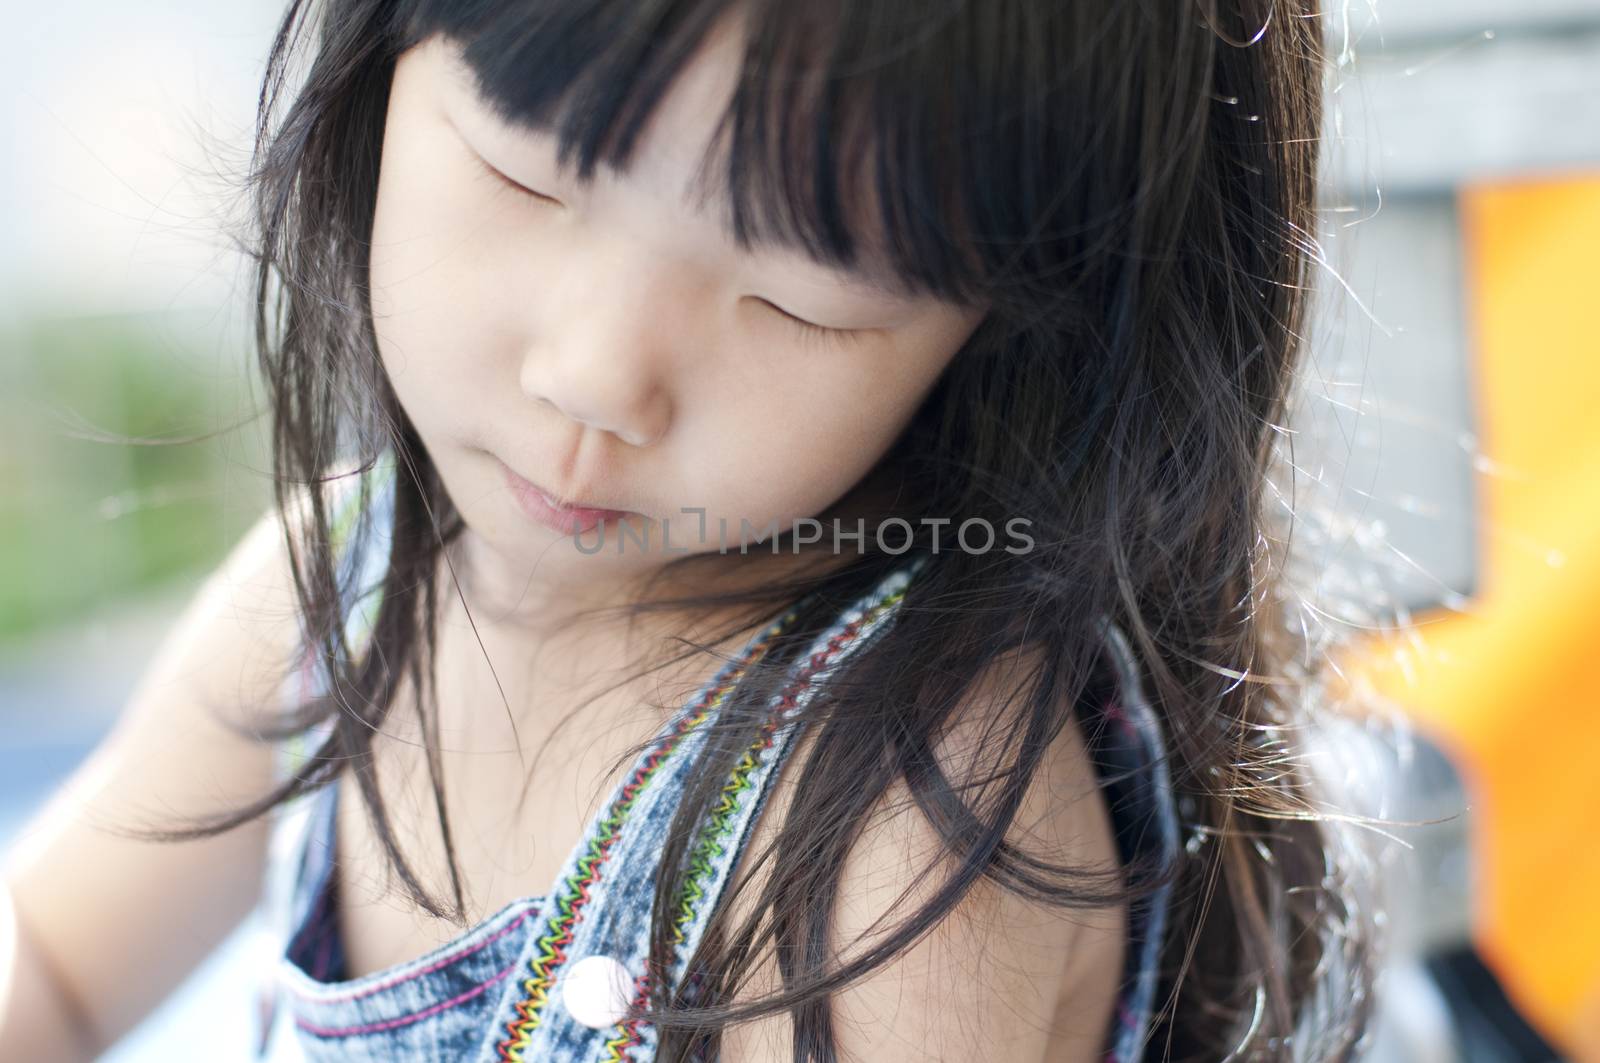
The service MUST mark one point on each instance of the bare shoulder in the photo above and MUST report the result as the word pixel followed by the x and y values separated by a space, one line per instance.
pixel 217 669
pixel 1001 976
pixel 182 749
pixel 230 648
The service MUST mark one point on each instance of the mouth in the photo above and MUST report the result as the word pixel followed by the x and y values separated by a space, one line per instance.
pixel 566 516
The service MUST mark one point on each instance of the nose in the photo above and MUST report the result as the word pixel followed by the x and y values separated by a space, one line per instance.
pixel 601 352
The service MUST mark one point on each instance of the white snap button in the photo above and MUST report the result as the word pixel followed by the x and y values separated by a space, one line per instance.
pixel 597 991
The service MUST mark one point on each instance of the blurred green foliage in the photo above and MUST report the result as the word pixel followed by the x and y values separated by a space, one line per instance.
pixel 86 516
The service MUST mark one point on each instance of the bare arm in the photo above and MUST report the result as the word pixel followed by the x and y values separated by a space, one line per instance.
pixel 38 1022
pixel 101 927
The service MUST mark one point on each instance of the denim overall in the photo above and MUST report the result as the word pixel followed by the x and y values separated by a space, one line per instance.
pixel 545 977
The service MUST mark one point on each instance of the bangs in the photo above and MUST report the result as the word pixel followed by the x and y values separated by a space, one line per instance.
pixel 862 135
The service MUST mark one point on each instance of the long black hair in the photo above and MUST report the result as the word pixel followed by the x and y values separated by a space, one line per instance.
pixel 1130 189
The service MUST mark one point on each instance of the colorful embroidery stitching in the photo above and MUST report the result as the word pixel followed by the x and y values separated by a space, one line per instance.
pixel 719 827
pixel 552 946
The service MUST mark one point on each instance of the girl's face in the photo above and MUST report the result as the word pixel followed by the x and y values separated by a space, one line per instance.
pixel 609 343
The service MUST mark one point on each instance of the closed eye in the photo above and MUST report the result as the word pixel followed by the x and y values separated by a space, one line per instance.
pixel 814 330
pixel 513 185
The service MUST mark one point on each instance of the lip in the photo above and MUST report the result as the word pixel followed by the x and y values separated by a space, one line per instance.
pixel 540 507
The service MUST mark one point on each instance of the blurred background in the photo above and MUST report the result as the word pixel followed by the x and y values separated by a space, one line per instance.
pixel 1446 451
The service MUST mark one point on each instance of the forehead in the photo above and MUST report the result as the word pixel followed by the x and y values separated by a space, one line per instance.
pixel 685 150
pixel 679 144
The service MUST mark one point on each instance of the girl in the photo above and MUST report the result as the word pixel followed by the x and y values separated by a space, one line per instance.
pixel 782 479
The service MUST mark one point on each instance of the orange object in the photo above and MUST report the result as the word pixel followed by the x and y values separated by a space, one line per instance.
pixel 1511 686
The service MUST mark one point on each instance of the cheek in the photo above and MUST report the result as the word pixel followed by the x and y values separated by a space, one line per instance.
pixel 793 447
pixel 431 303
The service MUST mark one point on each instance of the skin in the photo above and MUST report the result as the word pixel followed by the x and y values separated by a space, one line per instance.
pixel 617 348
pixel 610 343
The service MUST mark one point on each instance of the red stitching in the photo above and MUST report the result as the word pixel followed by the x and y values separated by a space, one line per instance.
pixel 394 980
pixel 404 1020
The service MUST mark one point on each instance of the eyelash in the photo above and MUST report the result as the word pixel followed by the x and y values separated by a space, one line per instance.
pixel 514 186
pixel 815 332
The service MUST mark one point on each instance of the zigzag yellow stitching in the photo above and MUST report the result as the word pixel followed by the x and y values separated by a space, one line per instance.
pixel 720 825
pixel 552 946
